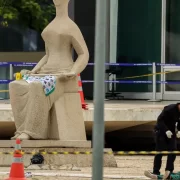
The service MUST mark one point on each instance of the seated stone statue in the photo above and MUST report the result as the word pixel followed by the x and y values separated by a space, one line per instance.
pixel 30 103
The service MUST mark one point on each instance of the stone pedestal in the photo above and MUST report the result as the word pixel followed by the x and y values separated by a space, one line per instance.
pixel 66 120
pixel 46 144
pixel 56 153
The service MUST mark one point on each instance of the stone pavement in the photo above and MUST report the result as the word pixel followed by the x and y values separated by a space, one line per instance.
pixel 129 167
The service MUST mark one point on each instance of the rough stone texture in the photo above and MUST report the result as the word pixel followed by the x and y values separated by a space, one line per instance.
pixel 67 122
pixel 78 160
pixel 66 167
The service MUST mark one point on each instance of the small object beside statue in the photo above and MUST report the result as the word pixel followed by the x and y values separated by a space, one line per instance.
pixel 18 76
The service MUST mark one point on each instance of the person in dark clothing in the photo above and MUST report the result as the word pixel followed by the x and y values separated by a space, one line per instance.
pixel 166 131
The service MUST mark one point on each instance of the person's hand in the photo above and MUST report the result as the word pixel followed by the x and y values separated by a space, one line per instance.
pixel 178 134
pixel 169 134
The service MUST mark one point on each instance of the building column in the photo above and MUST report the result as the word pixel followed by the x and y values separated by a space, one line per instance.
pixel 113 34
pixel 113 30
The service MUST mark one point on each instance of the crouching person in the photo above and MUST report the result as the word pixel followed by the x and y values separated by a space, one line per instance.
pixel 165 139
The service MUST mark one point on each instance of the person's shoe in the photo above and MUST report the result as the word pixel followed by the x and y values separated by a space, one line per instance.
pixel 167 175
pixel 150 175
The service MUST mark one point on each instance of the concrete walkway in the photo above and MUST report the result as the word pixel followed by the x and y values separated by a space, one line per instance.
pixel 129 167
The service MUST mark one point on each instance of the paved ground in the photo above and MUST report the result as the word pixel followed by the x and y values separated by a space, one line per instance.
pixel 129 167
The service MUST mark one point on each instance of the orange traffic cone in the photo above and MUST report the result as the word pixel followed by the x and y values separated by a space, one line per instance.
pixel 17 167
pixel 84 105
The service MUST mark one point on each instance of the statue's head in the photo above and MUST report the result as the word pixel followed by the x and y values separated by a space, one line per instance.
pixel 60 2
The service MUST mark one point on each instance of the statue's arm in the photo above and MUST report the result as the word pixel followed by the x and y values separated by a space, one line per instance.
pixel 81 49
pixel 42 62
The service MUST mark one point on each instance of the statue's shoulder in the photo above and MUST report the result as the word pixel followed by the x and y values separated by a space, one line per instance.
pixel 73 28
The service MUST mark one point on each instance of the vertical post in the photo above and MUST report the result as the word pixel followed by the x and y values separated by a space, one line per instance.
pixel 163 41
pixel 10 72
pixel 154 84
pixel 108 57
pixel 113 34
pixel 99 88
pixel 154 81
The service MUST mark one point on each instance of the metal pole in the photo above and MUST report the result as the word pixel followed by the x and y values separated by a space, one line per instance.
pixel 154 84
pixel 11 72
pixel 163 42
pixel 113 35
pixel 154 81
pixel 108 31
pixel 99 89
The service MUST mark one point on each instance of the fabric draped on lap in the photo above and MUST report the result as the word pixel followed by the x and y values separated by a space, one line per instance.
pixel 48 82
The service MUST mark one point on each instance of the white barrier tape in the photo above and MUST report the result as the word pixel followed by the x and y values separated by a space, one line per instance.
pixel 79 78
pixel 17 146
pixel 17 160
pixel 80 88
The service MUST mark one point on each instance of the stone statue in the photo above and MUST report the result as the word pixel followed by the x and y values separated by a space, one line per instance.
pixel 31 106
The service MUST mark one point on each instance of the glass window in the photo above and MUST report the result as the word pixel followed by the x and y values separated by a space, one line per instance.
pixel 16 39
pixel 172 77
pixel 173 31
pixel 139 40
pixel 4 75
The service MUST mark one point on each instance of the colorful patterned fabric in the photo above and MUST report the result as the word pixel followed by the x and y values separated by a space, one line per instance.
pixel 48 82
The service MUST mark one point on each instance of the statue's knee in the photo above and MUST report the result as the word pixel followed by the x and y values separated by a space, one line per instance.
pixel 18 87
pixel 35 86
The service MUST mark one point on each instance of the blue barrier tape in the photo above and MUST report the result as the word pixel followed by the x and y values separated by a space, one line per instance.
pixel 124 64
pixel 136 82
pixel 23 64
pixel 122 82
pixel 162 64
pixel 5 81
pixel 3 64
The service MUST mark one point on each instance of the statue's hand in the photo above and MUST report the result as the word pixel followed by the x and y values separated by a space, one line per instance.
pixel 32 72
pixel 70 75
pixel 24 72
pixel 67 75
